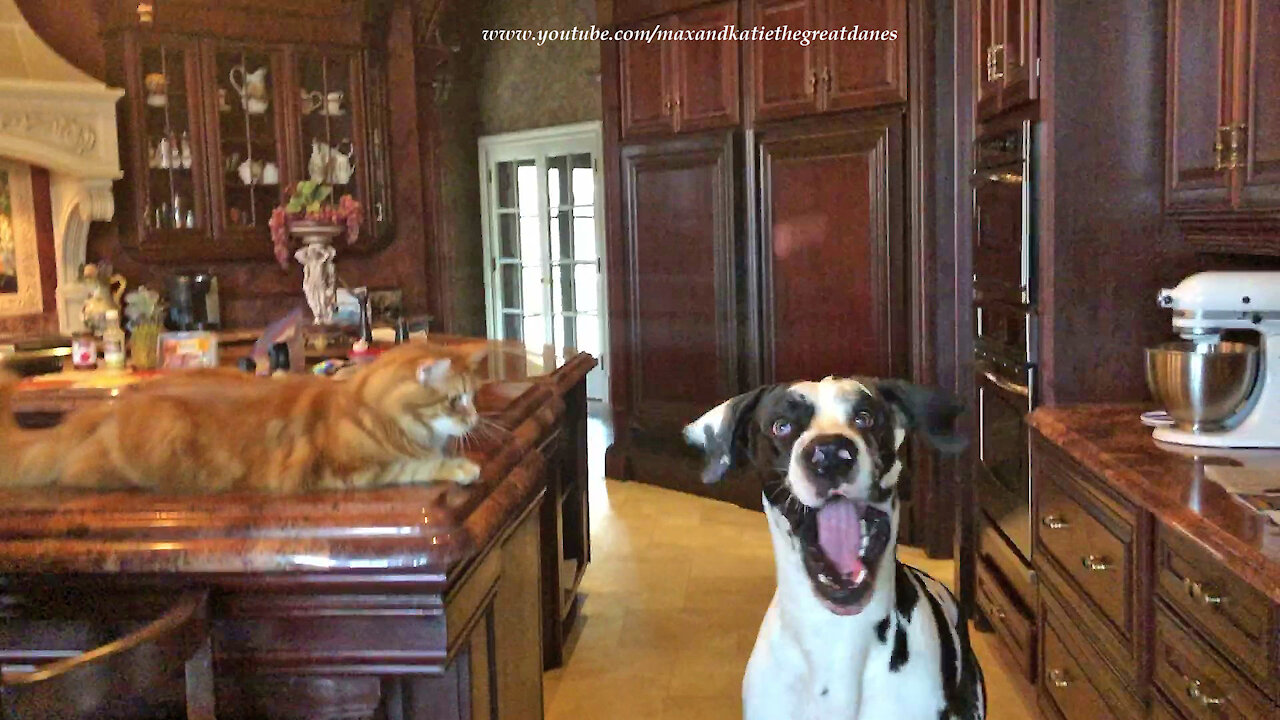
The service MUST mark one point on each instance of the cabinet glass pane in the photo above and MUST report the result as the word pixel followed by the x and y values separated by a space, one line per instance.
pixel 249 148
pixel 172 163
pixel 327 128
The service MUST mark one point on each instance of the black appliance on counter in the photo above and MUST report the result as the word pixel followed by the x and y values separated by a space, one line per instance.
pixel 193 302
pixel 1005 331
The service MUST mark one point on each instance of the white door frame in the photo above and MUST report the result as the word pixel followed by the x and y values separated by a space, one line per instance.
pixel 538 144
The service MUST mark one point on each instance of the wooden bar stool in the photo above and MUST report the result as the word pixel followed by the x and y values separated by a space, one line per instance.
pixel 81 686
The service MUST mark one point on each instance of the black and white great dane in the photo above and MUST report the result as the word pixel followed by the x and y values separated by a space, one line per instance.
pixel 851 634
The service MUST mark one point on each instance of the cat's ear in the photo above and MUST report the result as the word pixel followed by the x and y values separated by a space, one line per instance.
pixel 434 371
pixel 474 354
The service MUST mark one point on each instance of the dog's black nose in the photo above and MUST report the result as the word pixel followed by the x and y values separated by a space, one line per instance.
pixel 831 456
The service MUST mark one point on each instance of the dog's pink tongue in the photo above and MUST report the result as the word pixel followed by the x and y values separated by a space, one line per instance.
pixel 840 535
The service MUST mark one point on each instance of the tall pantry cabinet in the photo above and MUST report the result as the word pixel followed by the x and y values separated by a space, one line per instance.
pixel 762 232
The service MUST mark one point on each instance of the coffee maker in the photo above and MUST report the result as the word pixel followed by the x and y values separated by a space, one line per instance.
pixel 193 302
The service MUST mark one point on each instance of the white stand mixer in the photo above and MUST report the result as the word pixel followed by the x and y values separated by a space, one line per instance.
pixel 1206 304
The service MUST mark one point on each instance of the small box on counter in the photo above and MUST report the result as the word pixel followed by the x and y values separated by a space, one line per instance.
pixel 186 350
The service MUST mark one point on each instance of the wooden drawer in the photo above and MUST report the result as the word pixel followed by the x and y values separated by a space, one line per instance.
pixel 1198 681
pixel 1161 709
pixel 1066 681
pixel 1237 619
pixel 1090 543
pixel 1013 625
pixel 1094 688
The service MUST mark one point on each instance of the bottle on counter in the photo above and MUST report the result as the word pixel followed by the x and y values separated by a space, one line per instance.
pixel 84 351
pixel 113 353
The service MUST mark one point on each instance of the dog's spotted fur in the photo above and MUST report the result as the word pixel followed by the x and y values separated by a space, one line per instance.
pixel 887 644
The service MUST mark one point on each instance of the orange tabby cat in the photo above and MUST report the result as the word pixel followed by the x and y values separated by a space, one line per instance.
pixel 211 431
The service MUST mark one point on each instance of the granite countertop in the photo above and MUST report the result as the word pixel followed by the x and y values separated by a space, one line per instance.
pixel 426 528
pixel 1218 498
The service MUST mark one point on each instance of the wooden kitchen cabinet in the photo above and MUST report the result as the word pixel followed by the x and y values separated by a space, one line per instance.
pixel 1006 54
pixel 793 80
pixel 1222 170
pixel 216 126
pixel 685 85
pixel 831 220
pixel 681 324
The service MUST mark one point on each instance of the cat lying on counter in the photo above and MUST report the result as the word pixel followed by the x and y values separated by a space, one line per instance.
pixel 210 431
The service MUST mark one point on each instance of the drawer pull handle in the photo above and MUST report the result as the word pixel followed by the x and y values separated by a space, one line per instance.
pixel 1195 693
pixel 1059 678
pixel 1095 563
pixel 1054 522
pixel 1196 591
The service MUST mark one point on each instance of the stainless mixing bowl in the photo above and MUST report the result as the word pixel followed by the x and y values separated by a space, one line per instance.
pixel 1202 386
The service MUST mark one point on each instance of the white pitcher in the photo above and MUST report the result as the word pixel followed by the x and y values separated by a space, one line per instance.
pixel 318 165
pixel 251 85
pixel 343 166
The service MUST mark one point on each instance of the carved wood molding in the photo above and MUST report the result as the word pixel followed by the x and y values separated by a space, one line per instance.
pixel 67 132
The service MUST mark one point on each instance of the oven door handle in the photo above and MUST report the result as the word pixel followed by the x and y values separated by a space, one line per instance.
pixel 1006 385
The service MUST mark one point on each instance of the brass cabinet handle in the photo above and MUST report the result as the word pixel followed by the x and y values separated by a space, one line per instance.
pixel 991 62
pixel 826 78
pixel 813 82
pixel 1197 591
pixel 667 106
pixel 1219 163
pixel 379 212
pixel 997 53
pixel 1095 563
pixel 1195 692
pixel 1055 522
pixel 1059 678
pixel 1237 134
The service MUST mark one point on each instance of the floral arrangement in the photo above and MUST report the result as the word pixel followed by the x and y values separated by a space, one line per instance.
pixel 143 307
pixel 311 202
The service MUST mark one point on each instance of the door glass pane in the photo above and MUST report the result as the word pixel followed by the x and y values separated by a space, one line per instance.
pixel 584 184
pixel 506 179
pixel 512 328
pixel 530 239
pixel 584 237
pixel 586 288
pixel 527 188
pixel 508 236
pixel 588 329
pixel 558 182
pixel 509 277
pixel 535 332
pixel 532 281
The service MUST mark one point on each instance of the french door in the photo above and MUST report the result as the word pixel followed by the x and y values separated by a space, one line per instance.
pixel 544 243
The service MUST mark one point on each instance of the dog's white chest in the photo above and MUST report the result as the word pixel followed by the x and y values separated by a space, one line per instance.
pixel 834 669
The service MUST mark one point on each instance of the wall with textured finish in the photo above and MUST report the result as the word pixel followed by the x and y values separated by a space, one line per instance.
pixel 524 85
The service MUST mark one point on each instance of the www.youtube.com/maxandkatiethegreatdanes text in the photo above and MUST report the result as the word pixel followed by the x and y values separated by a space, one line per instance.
pixel 657 33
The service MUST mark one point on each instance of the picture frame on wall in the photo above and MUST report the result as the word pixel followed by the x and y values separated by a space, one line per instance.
pixel 20 291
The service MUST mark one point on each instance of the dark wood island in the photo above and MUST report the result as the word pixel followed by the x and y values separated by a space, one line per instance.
pixel 431 601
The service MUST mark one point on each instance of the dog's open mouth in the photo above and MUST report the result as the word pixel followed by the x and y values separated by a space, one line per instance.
pixel 842 543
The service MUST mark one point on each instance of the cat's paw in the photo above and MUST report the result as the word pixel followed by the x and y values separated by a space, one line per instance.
pixel 458 470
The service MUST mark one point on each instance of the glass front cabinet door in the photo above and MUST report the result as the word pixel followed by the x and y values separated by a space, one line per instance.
pixel 218 130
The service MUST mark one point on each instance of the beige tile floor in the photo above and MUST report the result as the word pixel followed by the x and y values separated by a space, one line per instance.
pixel 675 594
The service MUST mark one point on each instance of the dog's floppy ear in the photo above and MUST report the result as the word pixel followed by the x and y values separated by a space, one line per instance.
pixel 723 433
pixel 930 411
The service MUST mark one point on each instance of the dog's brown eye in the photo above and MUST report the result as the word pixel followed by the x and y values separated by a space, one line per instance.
pixel 864 420
pixel 781 428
